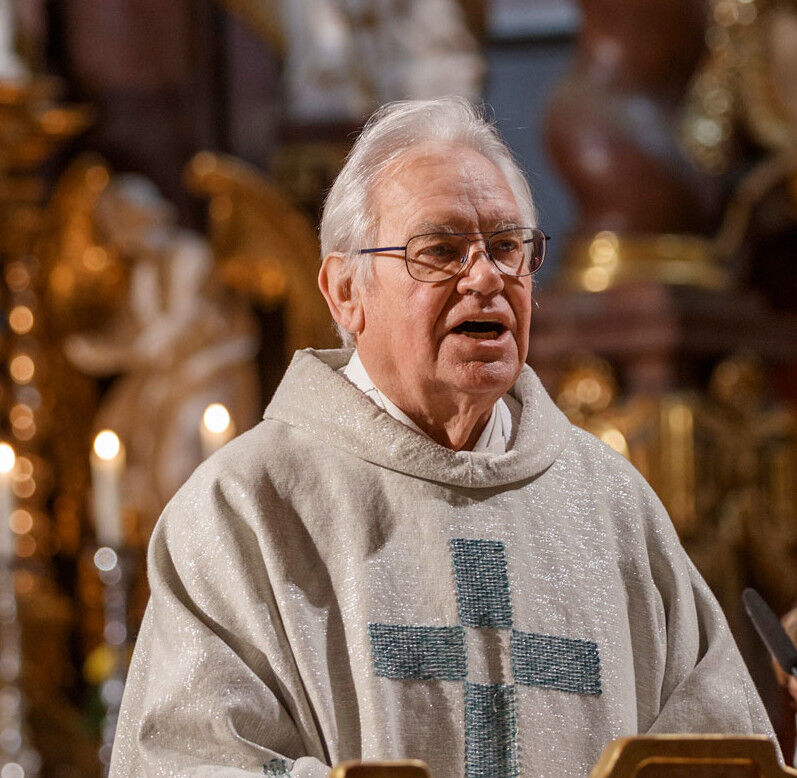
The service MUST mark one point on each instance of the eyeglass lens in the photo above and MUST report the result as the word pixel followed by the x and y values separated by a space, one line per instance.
pixel 440 255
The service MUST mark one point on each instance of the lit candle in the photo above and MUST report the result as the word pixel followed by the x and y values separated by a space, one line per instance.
pixel 216 429
pixel 7 462
pixel 107 471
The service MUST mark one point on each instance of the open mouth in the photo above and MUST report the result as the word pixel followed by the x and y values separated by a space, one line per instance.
pixel 481 330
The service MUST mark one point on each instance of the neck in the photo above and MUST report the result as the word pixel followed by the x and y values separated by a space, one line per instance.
pixel 459 431
pixel 452 419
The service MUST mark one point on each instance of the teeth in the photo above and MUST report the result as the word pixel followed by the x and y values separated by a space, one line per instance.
pixel 489 335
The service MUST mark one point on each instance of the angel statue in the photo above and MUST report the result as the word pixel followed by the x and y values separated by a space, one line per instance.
pixel 179 343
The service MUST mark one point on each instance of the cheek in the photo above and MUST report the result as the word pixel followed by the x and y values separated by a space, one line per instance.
pixel 400 317
pixel 423 309
pixel 521 305
pixel 519 296
pixel 382 300
pixel 524 319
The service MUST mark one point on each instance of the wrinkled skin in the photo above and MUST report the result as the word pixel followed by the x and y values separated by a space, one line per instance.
pixel 445 381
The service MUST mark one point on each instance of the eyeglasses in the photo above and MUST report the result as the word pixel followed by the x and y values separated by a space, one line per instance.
pixel 439 256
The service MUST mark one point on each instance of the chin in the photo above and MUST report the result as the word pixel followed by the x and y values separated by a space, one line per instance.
pixel 482 368
pixel 486 377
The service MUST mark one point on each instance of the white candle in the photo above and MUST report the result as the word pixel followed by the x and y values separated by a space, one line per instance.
pixel 216 429
pixel 11 66
pixel 7 502
pixel 107 472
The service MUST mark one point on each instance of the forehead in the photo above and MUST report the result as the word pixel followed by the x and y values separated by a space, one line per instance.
pixel 451 186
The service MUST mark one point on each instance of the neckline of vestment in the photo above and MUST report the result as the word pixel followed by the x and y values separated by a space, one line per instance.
pixel 496 437
pixel 313 396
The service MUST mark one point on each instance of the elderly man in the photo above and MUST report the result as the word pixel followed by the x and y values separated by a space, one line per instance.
pixel 415 554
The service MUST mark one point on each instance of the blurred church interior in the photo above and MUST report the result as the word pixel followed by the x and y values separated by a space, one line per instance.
pixel 162 167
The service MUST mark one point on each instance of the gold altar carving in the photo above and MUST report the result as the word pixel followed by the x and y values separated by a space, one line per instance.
pixel 32 126
pixel 768 76
pixel 34 122
pixel 747 83
pixel 264 247
pixel 747 78
pixel 756 462
pixel 85 280
pixel 597 262
pixel 50 478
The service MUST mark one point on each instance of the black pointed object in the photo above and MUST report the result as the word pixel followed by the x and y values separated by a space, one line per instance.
pixel 771 630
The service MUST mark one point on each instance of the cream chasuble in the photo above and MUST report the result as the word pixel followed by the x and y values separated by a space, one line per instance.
pixel 331 585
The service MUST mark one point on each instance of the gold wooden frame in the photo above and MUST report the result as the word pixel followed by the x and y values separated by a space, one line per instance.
pixel 406 768
pixel 654 756
pixel 695 756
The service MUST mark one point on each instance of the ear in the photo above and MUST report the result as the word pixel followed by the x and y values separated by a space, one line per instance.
pixel 342 293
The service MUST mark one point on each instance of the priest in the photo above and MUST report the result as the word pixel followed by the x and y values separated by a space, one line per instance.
pixel 415 554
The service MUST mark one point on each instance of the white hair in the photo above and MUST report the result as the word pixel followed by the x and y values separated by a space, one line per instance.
pixel 349 221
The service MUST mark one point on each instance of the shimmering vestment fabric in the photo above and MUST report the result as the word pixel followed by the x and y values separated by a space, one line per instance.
pixel 333 585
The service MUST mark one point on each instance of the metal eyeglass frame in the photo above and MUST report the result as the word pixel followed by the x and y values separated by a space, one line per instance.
pixel 464 260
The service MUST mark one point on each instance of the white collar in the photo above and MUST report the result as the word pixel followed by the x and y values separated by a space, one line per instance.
pixel 495 438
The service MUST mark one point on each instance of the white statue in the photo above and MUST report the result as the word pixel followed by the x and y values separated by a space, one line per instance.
pixel 346 56
pixel 179 345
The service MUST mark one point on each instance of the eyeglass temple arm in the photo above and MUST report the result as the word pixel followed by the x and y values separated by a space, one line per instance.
pixel 382 248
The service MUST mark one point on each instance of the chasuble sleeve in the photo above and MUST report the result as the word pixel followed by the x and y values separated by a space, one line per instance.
pixel 705 686
pixel 212 689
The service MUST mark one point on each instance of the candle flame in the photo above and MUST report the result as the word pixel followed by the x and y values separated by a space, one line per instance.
pixel 105 559
pixel 216 417
pixel 107 445
pixel 7 458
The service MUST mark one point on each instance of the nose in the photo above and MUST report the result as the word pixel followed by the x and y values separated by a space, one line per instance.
pixel 480 274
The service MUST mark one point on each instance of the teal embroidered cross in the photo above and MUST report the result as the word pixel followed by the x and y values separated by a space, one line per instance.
pixel 276 768
pixel 405 652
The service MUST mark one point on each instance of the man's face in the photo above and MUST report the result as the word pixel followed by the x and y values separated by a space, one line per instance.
pixel 412 343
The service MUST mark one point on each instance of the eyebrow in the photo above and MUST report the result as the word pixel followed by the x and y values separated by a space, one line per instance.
pixel 509 224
